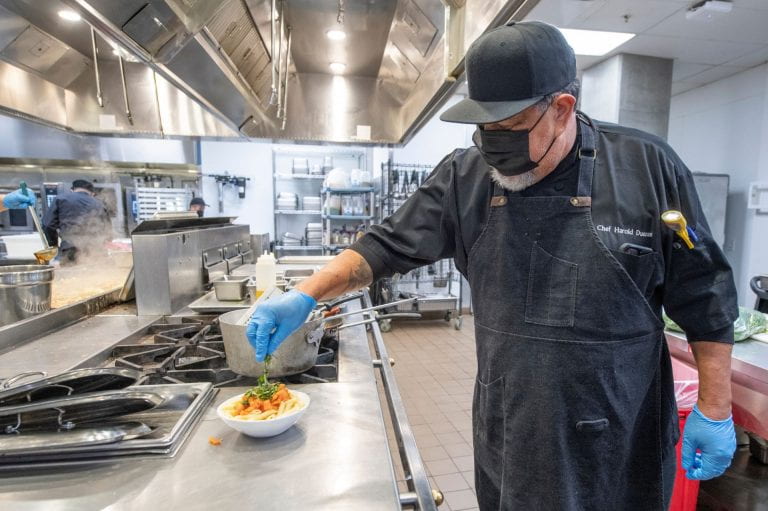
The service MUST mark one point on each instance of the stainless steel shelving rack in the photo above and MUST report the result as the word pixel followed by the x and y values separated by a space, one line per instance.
pixel 309 184
pixel 368 216
pixel 438 287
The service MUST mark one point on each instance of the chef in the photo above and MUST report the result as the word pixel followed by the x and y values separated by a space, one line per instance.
pixel 80 219
pixel 554 219
pixel 16 200
pixel 197 205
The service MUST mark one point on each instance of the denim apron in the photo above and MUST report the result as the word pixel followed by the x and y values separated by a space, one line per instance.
pixel 572 407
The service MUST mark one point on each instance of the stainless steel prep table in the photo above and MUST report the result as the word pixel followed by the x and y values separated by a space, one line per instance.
pixel 336 457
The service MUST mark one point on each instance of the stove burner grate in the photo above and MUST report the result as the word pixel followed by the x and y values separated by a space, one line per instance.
pixel 193 351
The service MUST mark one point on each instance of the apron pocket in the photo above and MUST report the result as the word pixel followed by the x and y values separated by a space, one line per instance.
pixel 641 268
pixel 488 415
pixel 551 297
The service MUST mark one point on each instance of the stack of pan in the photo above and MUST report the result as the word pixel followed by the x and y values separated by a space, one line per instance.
pixel 86 416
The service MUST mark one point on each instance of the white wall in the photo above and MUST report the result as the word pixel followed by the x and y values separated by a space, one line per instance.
pixel 435 139
pixel 248 159
pixel 723 128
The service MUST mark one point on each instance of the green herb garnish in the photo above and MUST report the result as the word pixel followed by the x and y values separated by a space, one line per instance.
pixel 264 390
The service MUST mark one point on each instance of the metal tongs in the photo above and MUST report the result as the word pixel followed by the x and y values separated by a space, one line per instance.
pixel 370 311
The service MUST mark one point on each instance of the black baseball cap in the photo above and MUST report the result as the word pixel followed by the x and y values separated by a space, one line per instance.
pixel 197 201
pixel 82 183
pixel 511 68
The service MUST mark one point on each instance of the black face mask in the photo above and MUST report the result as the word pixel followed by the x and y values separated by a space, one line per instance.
pixel 508 151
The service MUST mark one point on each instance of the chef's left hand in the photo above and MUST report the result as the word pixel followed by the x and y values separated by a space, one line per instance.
pixel 17 200
pixel 715 439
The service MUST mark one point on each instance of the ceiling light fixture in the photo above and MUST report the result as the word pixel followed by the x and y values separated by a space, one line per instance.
pixel 337 67
pixel 68 15
pixel 336 35
pixel 594 43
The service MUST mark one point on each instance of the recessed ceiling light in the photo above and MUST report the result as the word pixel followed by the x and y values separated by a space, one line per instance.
pixel 68 15
pixel 594 43
pixel 337 67
pixel 336 35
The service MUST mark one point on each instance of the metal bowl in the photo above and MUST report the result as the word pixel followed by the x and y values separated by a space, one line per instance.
pixel 25 291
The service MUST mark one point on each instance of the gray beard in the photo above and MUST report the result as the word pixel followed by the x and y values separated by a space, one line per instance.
pixel 514 183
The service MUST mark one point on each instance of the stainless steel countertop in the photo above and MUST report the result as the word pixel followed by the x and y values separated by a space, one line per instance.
pixel 336 457
pixel 750 357
pixel 66 348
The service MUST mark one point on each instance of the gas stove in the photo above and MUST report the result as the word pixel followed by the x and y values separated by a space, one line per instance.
pixel 192 351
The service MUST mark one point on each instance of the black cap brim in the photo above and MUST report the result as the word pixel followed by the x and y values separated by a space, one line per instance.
pixel 469 111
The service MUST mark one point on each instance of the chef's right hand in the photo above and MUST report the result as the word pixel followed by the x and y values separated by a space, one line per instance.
pixel 276 319
pixel 17 200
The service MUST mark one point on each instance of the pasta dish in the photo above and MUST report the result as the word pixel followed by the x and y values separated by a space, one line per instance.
pixel 267 401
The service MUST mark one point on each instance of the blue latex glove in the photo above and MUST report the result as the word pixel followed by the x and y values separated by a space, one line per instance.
pixel 716 441
pixel 17 200
pixel 276 319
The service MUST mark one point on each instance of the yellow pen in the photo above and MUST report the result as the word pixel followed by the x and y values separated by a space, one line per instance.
pixel 676 221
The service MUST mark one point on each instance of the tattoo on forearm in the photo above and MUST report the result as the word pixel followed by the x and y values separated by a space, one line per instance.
pixel 360 277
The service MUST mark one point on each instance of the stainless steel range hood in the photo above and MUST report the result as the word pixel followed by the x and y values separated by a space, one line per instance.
pixel 254 68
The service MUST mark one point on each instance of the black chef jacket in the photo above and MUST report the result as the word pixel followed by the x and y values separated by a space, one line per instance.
pixel 637 177
pixel 79 218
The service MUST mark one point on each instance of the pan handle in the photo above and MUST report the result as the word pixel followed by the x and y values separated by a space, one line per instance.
pixel 369 309
pixel 13 379
pixel 403 315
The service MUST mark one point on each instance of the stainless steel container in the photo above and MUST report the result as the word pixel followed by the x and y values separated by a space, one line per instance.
pixel 25 290
pixel 230 288
pixel 295 355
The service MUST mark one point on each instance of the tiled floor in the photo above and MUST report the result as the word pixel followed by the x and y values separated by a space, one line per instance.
pixel 435 369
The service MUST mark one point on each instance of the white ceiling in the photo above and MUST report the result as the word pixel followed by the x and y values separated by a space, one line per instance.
pixel 703 52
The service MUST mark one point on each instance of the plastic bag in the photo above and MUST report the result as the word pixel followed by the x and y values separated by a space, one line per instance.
pixel 749 322
pixel 686 394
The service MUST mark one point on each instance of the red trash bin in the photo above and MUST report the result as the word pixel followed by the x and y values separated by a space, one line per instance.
pixel 686 491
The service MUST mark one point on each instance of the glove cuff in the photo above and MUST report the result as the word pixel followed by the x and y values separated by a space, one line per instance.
pixel 712 421
pixel 311 302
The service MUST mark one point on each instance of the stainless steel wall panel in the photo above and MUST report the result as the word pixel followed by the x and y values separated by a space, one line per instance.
pixel 419 30
pixel 27 94
pixel 152 27
pixel 11 25
pixel 85 115
pixel 66 70
pixel 169 267
pixel 329 108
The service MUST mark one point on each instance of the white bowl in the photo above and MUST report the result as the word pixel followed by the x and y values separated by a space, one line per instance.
pixel 265 428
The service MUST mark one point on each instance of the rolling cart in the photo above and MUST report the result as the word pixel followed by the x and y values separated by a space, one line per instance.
pixel 437 287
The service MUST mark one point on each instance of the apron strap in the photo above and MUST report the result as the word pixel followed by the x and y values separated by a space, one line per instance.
pixel 587 154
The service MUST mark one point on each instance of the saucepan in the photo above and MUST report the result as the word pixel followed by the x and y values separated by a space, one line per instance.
pixel 298 352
